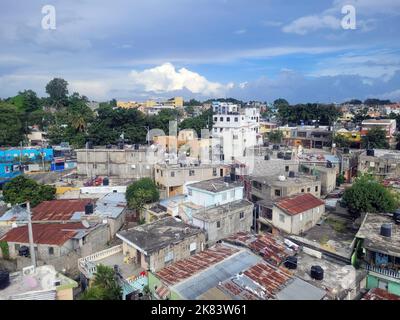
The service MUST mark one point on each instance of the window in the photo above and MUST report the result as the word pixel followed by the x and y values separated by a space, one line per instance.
pixel 241 215
pixel 51 250
pixel 236 119
pixel 215 119
pixel 214 172
pixel 286 168
pixel 218 224
pixel 316 188
pixel 161 173
pixel 221 119
pixel 172 173
pixel 281 218
pixel 17 246
pixel 215 129
pixel 190 192
pixel 235 137
pixel 224 196
pixel 192 248
pixel 302 190
pixel 228 119
pixel 191 172
pixel 308 189
pixel 169 257
pixel 277 192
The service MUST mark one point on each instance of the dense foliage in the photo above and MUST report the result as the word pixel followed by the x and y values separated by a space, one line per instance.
pixel 323 114
pixel 368 195
pixel 105 286
pixel 275 136
pixel 141 192
pixel 22 189
pixel 375 138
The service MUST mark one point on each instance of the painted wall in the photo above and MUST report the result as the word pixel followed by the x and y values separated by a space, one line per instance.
pixel 373 281
pixel 206 199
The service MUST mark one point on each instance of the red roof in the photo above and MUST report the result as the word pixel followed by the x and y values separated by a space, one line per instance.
pixel 299 203
pixel 47 233
pixel 380 294
pixel 269 246
pixel 184 269
pixel 58 210
pixel 269 277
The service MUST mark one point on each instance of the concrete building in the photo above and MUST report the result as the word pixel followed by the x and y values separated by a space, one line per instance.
pixel 377 250
pixel 224 220
pixel 171 178
pixel 309 137
pixel 129 163
pixel 380 162
pixel 387 125
pixel 234 130
pixel 60 244
pixel 296 214
pixel 327 176
pixel 156 245
pixel 275 187
pixel 41 283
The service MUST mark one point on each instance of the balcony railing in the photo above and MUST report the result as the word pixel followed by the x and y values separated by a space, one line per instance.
pixel 385 272
pixel 87 264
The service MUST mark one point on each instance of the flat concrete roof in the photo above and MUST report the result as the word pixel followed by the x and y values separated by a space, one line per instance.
pixel 215 213
pixel 215 185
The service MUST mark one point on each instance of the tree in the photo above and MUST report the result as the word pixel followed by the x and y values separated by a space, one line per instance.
pixel 341 141
pixel 22 189
pixel 11 128
pixel 368 195
pixel 141 192
pixel 57 89
pixel 275 136
pixel 375 138
pixel 105 285
pixel 279 103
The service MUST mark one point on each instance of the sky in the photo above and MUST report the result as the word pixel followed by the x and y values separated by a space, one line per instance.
pixel 246 49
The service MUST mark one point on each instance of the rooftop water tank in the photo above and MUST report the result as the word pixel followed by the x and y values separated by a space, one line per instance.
pixel 386 230
pixel 370 152
pixel 317 272
pixel 106 181
pixel 291 262
pixel 4 279
pixel 23 251
pixel 89 208
pixel 291 174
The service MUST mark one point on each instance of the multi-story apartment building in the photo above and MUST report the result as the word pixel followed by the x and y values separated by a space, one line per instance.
pixel 171 178
pixel 234 130
pixel 380 162
pixel 308 136
pixel 387 125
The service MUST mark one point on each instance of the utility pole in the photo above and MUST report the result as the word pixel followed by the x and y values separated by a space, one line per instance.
pixel 30 232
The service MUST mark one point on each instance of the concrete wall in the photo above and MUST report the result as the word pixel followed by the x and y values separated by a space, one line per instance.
pixel 180 251
pixel 230 223
pixel 298 223
pixel 206 198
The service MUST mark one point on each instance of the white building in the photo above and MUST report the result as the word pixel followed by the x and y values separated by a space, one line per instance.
pixel 234 130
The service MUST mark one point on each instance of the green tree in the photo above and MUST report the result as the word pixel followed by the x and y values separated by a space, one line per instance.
pixel 141 192
pixel 279 103
pixel 105 285
pixel 341 141
pixel 375 138
pixel 21 189
pixel 11 128
pixel 368 195
pixel 57 89
pixel 275 136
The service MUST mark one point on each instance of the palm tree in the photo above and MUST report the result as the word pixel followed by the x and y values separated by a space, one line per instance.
pixel 79 123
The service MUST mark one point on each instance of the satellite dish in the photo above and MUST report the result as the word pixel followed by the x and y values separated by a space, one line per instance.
pixel 86 224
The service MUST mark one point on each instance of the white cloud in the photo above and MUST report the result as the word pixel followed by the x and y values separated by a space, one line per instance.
pixel 165 78
pixel 240 31
pixel 308 24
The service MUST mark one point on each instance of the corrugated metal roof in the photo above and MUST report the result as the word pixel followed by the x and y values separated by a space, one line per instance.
pixel 300 290
pixel 299 203
pixel 58 210
pixel 49 233
pixel 380 294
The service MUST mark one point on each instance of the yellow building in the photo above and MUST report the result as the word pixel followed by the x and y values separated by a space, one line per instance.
pixel 176 102
pixel 267 127
pixel 127 104
pixel 353 136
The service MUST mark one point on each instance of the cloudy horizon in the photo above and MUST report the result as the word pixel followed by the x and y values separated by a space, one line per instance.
pixel 249 50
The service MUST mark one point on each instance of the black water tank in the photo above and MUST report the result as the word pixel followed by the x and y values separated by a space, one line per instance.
pixel 291 174
pixel 317 273
pixel 89 145
pixel 89 208
pixel 328 164
pixel 233 174
pixel 291 262
pixel 280 155
pixel 4 279
pixel 109 146
pixel 386 230
pixel 266 157
pixel 106 181
pixel 396 216
pixel 23 251
pixel 266 144
pixel 121 145
pixel 227 179
pixel 275 147
pixel 136 147
pixel 288 156
pixel 370 152
pixel 346 150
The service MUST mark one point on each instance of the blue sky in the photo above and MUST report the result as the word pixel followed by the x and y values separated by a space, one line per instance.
pixel 248 49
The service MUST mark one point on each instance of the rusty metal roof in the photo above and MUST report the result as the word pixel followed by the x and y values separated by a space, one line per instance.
pixel 270 247
pixel 48 233
pixel 380 294
pixel 58 210
pixel 184 269
pixel 299 203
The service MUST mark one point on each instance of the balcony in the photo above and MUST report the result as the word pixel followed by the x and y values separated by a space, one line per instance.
pixel 383 271
pixel 134 276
